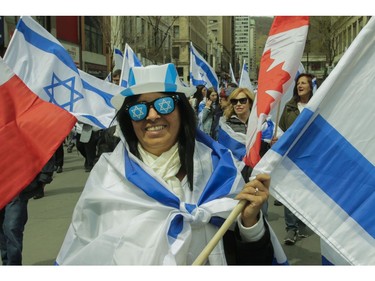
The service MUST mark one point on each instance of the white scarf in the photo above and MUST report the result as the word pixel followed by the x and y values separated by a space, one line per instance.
pixel 166 166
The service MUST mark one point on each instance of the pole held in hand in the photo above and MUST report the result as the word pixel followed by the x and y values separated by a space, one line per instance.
pixel 200 260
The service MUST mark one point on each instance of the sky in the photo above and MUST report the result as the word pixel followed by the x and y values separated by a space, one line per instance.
pixel 191 7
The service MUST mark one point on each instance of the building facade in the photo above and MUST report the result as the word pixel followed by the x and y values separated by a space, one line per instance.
pixel 245 44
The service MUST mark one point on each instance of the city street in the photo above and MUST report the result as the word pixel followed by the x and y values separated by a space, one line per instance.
pixel 50 217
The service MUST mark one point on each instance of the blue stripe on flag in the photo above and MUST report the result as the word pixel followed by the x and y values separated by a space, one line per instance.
pixel 118 52
pixel 283 144
pixel 224 173
pixel 176 227
pixel 170 78
pixel 106 97
pixel 331 162
pixel 137 62
pixel 139 177
pixel 46 45
pixel 94 120
pixel 325 261
pixel 196 81
pixel 238 149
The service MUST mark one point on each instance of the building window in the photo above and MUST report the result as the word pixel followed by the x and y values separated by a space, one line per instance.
pixel 176 53
pixel 176 32
pixel 93 35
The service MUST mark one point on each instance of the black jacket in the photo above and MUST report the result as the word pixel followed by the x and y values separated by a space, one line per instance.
pixel 43 178
pixel 238 252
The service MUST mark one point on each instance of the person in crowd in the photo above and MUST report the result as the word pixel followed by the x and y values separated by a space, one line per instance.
pixel 59 158
pixel 236 116
pixel 107 139
pixel 87 139
pixel 116 76
pixel 198 100
pixel 208 112
pixel 14 216
pixel 302 93
pixel 71 140
pixel 157 198
pixel 218 113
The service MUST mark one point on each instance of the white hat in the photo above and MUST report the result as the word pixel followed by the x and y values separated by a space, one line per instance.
pixel 151 79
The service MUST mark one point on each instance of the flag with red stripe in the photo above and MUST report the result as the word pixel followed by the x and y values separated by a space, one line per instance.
pixel 30 132
pixel 279 64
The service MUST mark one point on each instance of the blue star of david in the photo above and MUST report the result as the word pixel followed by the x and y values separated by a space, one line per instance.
pixel 137 111
pixel 164 106
pixel 72 95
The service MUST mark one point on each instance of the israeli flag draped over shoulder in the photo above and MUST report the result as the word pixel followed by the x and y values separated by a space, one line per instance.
pixel 201 73
pixel 236 141
pixel 47 69
pixel 133 223
pixel 323 167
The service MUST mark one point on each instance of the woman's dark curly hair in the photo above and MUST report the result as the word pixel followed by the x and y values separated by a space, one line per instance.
pixel 186 137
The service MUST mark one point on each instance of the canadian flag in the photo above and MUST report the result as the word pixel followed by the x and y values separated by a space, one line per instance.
pixel 278 67
pixel 31 130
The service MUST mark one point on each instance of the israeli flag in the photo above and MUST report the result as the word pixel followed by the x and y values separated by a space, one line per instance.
pixel 118 59
pixel 47 69
pixel 201 73
pixel 236 141
pixel 109 77
pixel 245 78
pixel 323 167
pixel 130 60
pixel 138 208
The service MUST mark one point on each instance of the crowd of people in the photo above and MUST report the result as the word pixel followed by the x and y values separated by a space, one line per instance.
pixel 162 177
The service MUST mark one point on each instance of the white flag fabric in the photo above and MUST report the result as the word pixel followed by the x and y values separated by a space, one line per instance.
pixel 323 167
pixel 232 74
pixel 118 59
pixel 245 78
pixel 279 63
pixel 118 216
pixel 47 69
pixel 201 73
pixel 130 60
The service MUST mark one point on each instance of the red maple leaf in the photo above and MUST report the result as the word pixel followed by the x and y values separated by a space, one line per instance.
pixel 273 79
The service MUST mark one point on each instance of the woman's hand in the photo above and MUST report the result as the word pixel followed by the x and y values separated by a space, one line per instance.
pixel 256 192
pixel 208 103
pixel 273 141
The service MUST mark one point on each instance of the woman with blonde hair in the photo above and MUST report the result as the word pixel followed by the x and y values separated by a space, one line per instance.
pixel 233 128
pixel 238 110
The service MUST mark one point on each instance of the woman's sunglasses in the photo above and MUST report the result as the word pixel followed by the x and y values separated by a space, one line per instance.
pixel 235 101
pixel 163 105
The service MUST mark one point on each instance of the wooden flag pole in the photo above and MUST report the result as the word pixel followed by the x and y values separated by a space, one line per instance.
pixel 277 119
pixel 220 233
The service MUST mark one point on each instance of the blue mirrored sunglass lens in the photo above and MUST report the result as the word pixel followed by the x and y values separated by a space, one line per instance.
pixel 138 112
pixel 164 105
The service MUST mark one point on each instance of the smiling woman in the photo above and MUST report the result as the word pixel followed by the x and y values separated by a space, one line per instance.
pixel 157 197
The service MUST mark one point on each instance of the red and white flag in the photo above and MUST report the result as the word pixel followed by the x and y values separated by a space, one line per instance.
pixel 279 64
pixel 31 130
